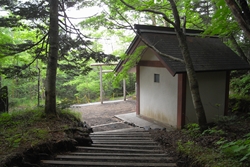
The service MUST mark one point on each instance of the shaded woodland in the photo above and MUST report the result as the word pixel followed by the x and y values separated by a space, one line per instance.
pixel 45 57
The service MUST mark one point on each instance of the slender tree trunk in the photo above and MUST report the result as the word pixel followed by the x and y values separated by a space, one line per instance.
pixel 50 86
pixel 193 82
pixel 242 20
pixel 238 48
pixel 192 79
pixel 153 19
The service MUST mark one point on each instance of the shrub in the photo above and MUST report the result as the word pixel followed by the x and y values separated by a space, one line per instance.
pixel 239 149
pixel 238 103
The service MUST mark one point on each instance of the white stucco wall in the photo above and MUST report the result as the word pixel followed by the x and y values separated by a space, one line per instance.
pixel 212 89
pixel 149 55
pixel 158 101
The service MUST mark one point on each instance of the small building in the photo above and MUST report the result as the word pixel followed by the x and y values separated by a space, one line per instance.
pixel 163 93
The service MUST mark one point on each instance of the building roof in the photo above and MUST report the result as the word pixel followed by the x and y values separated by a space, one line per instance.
pixel 207 53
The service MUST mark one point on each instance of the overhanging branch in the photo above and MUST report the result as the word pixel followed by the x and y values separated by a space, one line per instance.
pixel 148 44
pixel 150 11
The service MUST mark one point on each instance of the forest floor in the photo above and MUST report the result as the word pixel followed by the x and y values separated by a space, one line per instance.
pixel 28 136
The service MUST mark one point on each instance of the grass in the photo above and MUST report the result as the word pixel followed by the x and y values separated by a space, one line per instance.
pixel 203 155
pixel 217 147
pixel 20 130
pixel 17 128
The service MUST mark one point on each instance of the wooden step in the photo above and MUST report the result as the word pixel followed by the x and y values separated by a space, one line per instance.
pixel 118 154
pixel 91 163
pixel 132 147
pixel 121 138
pixel 125 146
pixel 122 135
pixel 113 158
pixel 128 130
pixel 118 149
pixel 142 142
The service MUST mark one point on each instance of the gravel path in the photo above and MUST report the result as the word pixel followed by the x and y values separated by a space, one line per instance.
pixel 101 116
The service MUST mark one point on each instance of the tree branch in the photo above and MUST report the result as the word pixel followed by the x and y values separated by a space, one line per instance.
pixel 238 17
pixel 151 11
pixel 149 45
pixel 238 48
pixel 29 47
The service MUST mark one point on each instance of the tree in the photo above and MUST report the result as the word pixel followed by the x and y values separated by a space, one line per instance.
pixel 223 25
pixel 56 43
pixel 50 86
pixel 240 10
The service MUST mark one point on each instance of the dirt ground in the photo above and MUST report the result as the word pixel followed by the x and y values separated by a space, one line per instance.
pixel 99 115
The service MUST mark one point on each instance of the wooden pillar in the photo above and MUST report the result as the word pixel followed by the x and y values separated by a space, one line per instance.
pixel 181 104
pixel 227 92
pixel 137 90
pixel 124 89
pixel 101 89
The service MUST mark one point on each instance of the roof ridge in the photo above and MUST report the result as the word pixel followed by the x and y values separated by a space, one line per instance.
pixel 161 29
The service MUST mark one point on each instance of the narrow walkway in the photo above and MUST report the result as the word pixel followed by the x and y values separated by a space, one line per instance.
pixel 131 147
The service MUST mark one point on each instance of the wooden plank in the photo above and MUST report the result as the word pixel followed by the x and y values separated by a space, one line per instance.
pixel 122 138
pixel 119 145
pixel 109 157
pixel 116 135
pixel 117 149
pixel 126 130
pixel 119 154
pixel 125 141
pixel 54 162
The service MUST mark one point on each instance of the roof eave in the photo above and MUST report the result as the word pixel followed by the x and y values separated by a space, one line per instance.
pixel 130 50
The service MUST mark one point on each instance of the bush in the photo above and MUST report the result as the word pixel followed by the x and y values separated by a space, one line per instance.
pixel 241 85
pixel 238 103
pixel 202 156
pixel 238 150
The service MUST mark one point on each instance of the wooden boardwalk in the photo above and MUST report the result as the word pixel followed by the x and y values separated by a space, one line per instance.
pixel 129 148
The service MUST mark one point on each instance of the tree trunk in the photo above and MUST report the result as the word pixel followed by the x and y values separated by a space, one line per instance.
pixel 193 82
pixel 192 79
pixel 238 48
pixel 241 19
pixel 50 86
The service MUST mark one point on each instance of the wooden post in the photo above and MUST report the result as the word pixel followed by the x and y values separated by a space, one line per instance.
pixel 102 71
pixel 101 85
pixel 124 89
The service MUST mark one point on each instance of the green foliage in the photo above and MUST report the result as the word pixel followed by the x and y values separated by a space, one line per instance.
pixel 193 130
pixel 131 61
pixel 65 103
pixel 214 131
pixel 238 150
pixel 226 120
pixel 222 21
pixel 241 85
pixel 205 156
pixel 27 128
pixel 239 103
pixel 13 125
pixel 70 115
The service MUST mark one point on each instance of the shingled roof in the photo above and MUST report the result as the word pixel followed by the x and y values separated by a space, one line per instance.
pixel 207 53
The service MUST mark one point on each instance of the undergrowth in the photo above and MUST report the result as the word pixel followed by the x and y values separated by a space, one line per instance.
pixel 24 129
pixel 206 156
pixel 221 152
